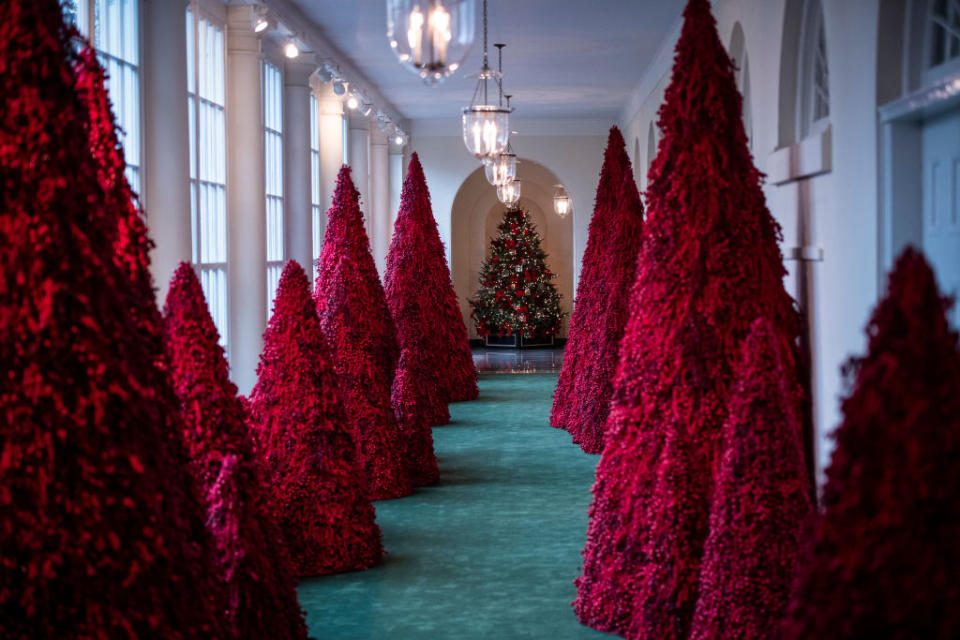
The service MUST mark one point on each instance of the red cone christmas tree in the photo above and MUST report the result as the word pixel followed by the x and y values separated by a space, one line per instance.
pixel 885 559
pixel 761 503
pixel 408 397
pixel 590 305
pixel 254 567
pixel 709 266
pixel 101 533
pixel 363 342
pixel 600 342
pixel 418 287
pixel 516 294
pixel 304 442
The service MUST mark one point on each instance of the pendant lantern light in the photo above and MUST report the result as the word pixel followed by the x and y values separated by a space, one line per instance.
pixel 509 192
pixel 502 167
pixel 561 202
pixel 486 127
pixel 431 37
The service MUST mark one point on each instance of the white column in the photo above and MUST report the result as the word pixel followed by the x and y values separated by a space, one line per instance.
pixel 166 137
pixel 360 164
pixel 379 199
pixel 296 162
pixel 331 145
pixel 246 207
pixel 396 182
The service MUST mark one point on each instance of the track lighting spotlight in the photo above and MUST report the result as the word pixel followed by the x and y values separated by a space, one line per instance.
pixel 339 87
pixel 365 109
pixel 352 102
pixel 291 50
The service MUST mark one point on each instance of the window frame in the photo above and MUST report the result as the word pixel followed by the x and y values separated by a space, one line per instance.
pixel 950 65
pixel 316 199
pixel 213 273
pixel 813 49
pixel 271 119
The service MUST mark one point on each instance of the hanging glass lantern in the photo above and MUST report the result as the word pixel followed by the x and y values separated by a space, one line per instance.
pixel 501 168
pixel 431 37
pixel 486 126
pixel 561 202
pixel 509 193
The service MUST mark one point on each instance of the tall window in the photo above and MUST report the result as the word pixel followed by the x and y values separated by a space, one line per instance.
pixel 115 28
pixel 315 203
pixel 272 92
pixel 944 32
pixel 346 140
pixel 814 95
pixel 206 99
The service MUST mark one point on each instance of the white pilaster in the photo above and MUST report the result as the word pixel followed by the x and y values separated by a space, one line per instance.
pixel 360 164
pixel 247 274
pixel 379 199
pixel 296 152
pixel 166 137
pixel 396 182
pixel 331 145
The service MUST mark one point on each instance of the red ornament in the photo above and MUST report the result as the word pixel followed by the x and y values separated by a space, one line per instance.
pixel 884 559
pixel 709 265
pixel 424 305
pixel 101 533
pixel 363 341
pixel 582 400
pixel 255 569
pixel 305 446
pixel 760 505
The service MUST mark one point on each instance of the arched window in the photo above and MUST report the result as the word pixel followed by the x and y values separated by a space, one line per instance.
pixel 944 37
pixel 813 108
pixel 741 65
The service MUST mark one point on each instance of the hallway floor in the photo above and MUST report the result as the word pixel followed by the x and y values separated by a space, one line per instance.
pixel 489 553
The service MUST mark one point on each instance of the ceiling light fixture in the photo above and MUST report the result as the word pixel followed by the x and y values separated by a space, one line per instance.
pixel 561 202
pixel 509 193
pixel 339 87
pixel 352 102
pixel 261 19
pixel 290 49
pixel 486 127
pixel 431 37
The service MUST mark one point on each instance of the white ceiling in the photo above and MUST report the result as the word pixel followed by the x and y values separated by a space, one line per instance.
pixel 564 58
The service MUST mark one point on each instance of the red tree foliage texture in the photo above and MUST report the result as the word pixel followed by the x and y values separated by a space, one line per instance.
pixel 709 265
pixel 101 532
pixel 590 303
pixel 423 303
pixel 305 446
pixel 408 397
pixel 358 327
pixel 255 569
pixel 884 559
pixel 761 503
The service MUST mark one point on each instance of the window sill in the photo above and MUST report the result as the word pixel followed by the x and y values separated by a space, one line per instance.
pixel 807 158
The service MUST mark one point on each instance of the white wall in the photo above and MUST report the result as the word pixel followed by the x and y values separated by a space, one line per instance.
pixel 835 211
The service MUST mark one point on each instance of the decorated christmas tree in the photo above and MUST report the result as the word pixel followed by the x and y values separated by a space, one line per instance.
pixel 761 503
pixel 586 302
pixel 710 264
pixel 101 532
pixel 358 327
pixel 598 343
pixel 304 444
pixel 516 294
pixel 254 568
pixel 884 559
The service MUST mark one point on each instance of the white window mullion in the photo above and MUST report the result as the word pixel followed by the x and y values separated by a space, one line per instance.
pixel 272 94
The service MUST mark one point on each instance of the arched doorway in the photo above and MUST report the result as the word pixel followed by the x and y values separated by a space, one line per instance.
pixel 474 218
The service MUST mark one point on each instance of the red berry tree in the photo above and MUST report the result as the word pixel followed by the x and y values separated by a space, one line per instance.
pixel 305 446
pixel 761 503
pixel 255 569
pixel 589 309
pixel 423 303
pixel 600 343
pixel 709 265
pixel 101 532
pixel 884 560
pixel 358 327
pixel 409 396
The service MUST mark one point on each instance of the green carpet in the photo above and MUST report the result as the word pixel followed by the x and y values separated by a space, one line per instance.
pixel 489 553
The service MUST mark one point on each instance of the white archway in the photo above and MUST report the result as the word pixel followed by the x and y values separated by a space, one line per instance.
pixel 474 218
